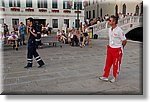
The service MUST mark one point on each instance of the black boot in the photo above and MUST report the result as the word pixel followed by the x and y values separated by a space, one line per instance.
pixel 41 63
pixel 29 65
pixel 16 49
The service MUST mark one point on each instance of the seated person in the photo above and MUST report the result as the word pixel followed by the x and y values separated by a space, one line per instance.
pixel 63 37
pixel 13 37
pixel 70 37
pixel 58 35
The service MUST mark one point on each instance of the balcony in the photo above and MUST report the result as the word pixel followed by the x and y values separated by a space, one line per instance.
pixel 29 10
pixel 16 9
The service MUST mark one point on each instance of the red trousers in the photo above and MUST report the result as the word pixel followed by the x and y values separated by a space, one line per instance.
pixel 114 56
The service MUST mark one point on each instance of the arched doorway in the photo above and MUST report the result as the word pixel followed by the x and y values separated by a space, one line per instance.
pixel 116 10
pixel 124 9
pixel 137 10
pixel 101 12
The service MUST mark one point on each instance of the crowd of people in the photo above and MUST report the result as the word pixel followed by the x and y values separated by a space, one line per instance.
pixel 74 37
pixel 69 36
pixel 98 20
pixel 17 37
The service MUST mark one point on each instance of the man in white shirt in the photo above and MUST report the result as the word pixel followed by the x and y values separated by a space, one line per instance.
pixel 117 42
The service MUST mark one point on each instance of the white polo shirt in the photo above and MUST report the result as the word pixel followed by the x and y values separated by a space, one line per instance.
pixel 116 36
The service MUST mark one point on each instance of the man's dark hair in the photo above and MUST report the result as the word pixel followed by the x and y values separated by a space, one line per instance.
pixel 30 19
pixel 115 18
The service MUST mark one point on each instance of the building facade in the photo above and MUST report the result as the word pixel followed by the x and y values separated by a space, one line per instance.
pixel 100 8
pixel 55 12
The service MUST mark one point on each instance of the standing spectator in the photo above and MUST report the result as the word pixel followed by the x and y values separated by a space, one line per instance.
pixel 74 39
pixel 5 26
pixel 85 35
pixel 49 28
pixel 22 32
pixel 117 41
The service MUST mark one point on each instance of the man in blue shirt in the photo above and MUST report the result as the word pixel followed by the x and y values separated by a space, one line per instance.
pixel 22 33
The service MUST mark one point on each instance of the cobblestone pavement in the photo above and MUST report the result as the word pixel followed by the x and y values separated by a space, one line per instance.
pixel 72 70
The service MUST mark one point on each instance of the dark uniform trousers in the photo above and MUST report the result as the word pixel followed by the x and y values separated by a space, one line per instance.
pixel 32 52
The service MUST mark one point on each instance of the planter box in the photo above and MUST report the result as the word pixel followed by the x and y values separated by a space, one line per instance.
pixel 29 10
pixel 2 9
pixel 42 10
pixel 67 11
pixel 15 9
pixel 77 11
pixel 55 11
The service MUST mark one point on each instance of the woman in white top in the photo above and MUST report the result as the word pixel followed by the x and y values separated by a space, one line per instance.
pixel 70 36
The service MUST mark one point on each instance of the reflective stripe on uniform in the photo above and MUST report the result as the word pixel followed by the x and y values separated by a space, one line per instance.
pixel 38 60
pixel 37 57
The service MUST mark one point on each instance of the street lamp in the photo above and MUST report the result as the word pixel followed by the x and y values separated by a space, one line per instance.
pixel 78 21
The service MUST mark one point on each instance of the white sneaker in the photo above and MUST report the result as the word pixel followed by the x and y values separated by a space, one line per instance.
pixel 113 80
pixel 103 78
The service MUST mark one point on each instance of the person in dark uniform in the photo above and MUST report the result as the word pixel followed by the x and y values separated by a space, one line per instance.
pixel 38 29
pixel 32 45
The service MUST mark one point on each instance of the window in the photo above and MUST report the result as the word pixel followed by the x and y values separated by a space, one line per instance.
pixel 55 23
pixel 89 14
pixel 78 4
pixel 124 9
pixel 28 3
pixel 54 4
pixel 101 12
pixel 2 3
pixel 2 21
pixel 14 3
pixel 15 21
pixel 42 3
pixel 77 23
pixel 93 13
pixel 116 10
pixel 15 24
pixel 86 14
pixel 66 21
pixel 66 4
pixel 137 10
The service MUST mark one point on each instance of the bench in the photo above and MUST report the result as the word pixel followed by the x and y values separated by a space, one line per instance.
pixel 52 43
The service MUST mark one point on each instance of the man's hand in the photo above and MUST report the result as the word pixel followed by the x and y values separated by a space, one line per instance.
pixel 32 32
pixel 124 42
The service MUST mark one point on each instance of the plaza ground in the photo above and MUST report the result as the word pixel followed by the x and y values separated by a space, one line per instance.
pixel 72 70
